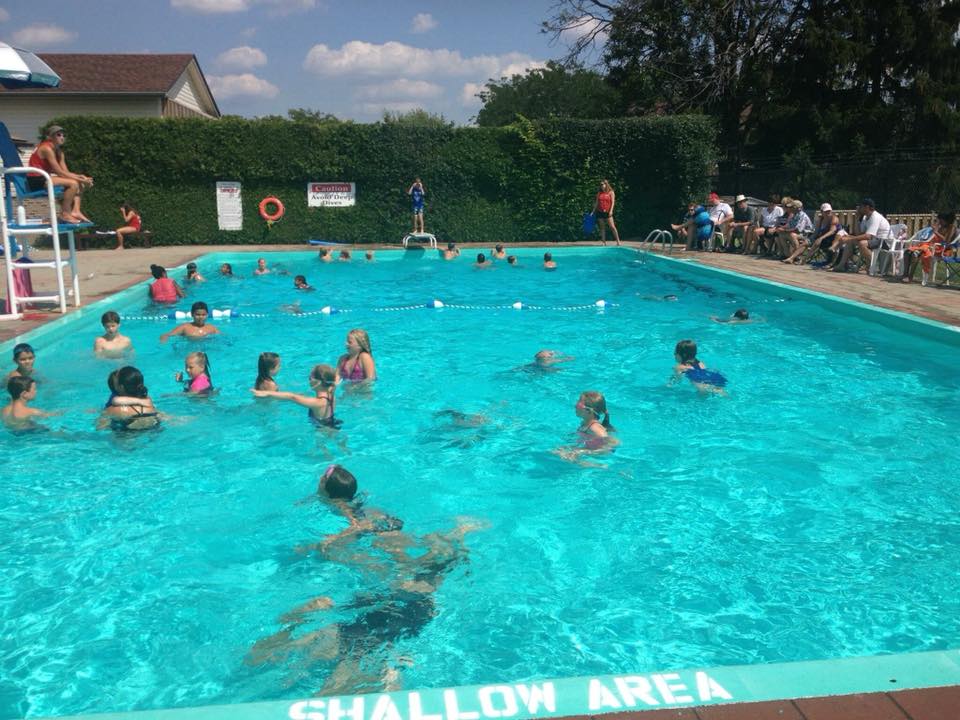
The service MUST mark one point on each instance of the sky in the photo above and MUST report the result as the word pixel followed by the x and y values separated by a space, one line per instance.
pixel 352 58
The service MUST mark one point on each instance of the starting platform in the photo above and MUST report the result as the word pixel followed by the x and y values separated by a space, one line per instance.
pixel 420 239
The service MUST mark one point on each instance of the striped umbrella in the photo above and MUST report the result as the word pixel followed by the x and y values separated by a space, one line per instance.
pixel 22 69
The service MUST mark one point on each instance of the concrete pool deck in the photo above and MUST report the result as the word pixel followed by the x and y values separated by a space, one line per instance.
pixel 104 272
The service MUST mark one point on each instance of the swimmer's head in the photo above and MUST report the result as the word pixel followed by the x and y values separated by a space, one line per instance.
pixel 481 258
pixel 130 382
pixel 451 246
pixel 742 314
pixel 344 254
pixel 199 311
pixel 337 483
pixel 226 269
pixel 267 365
pixel 261 263
pixel 112 382
pixel 323 377
pixel 360 337
pixel 543 358
pixel 158 271
pixel 19 385
pixel 22 349
pixel 191 268
pixel 197 364
pixel 368 254
pixel 499 247
pixel 670 298
pixel 597 404
pixel 686 351
pixel 511 259
pixel 324 252
pixel 547 257
pixel 300 281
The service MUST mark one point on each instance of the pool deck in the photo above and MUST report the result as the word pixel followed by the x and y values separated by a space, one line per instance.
pixel 941 703
pixel 104 272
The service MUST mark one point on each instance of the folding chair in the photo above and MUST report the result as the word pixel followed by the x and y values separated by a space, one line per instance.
pixel 950 262
pixel 892 246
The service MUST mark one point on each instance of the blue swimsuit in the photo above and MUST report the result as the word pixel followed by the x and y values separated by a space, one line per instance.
pixel 700 375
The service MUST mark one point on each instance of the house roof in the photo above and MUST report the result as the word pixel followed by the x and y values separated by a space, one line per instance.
pixel 140 73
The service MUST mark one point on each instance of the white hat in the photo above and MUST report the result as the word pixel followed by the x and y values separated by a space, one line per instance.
pixel 739 198
pixel 826 208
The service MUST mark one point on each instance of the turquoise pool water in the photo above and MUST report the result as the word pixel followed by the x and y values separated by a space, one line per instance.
pixel 811 514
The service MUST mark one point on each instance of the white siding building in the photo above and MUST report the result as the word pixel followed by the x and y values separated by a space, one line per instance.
pixel 122 85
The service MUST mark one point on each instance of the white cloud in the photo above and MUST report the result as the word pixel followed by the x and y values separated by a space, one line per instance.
pixel 581 27
pixel 422 22
pixel 4 15
pixel 248 85
pixel 211 6
pixel 400 90
pixel 41 35
pixel 468 94
pixel 242 58
pixel 393 58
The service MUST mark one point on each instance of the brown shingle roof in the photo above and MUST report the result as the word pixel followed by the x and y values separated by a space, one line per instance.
pixel 133 73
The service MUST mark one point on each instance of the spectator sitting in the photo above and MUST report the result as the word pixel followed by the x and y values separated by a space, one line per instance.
pixel 683 227
pixel 936 243
pixel 741 222
pixel 721 215
pixel 766 230
pixel 874 229
pixel 827 232
pixel 794 231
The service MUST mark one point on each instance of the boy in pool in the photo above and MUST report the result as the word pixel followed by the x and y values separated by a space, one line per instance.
pixel 452 252
pixel 111 344
pixel 739 316
pixel 23 356
pixel 325 255
pixel 482 261
pixel 548 262
pixel 498 252
pixel 512 260
pixel 261 268
pixel 198 328
pixel 18 415
pixel 193 275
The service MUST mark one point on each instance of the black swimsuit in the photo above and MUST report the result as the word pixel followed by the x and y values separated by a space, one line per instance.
pixel 126 424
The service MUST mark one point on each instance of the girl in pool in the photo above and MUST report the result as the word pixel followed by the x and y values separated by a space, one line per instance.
pixel 129 407
pixel 261 268
pixel 268 365
pixel 163 289
pixel 196 376
pixel 196 329
pixel 695 371
pixel 300 283
pixel 593 434
pixel 357 365
pixel 226 269
pixel 323 380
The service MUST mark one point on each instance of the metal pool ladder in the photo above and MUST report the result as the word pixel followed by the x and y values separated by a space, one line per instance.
pixel 661 236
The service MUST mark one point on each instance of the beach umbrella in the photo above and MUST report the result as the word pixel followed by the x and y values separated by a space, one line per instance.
pixel 22 69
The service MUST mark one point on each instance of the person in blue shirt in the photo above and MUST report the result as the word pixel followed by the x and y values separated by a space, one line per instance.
pixel 416 193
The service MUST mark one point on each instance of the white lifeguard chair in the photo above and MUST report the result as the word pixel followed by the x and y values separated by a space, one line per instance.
pixel 423 238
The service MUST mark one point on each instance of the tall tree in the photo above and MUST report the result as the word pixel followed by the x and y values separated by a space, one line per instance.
pixel 551 92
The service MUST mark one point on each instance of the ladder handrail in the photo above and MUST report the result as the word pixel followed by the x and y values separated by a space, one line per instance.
pixel 53 229
pixel 662 236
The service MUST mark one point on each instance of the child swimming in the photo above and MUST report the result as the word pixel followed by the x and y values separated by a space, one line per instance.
pixel 24 356
pixel 593 433
pixel 368 255
pixel 18 415
pixel 268 365
pixel 545 360
pixel 261 268
pixel 345 256
pixel 193 275
pixel 111 344
pixel 226 269
pixel 548 262
pixel 163 289
pixel 300 283
pixel 196 329
pixel 325 255
pixel 357 365
pixel 739 316
pixel 320 409
pixel 695 371
pixel 482 261
pixel 452 252
pixel 196 376
pixel 498 252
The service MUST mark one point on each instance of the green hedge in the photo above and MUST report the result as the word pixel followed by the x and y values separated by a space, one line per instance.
pixel 528 181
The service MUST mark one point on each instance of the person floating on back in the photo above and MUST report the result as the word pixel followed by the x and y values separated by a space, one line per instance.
pixel 111 344
pixel 195 329
pixel 695 371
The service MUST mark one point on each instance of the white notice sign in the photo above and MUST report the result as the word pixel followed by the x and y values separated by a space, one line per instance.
pixel 229 207
pixel 331 194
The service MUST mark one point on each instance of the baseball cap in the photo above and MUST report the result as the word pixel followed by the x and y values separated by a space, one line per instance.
pixel 713 197
pixel 867 202
pixel 53 130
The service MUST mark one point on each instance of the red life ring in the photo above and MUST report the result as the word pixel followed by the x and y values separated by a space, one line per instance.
pixel 276 214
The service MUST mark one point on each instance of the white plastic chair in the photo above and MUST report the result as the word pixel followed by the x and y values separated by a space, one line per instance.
pixel 892 246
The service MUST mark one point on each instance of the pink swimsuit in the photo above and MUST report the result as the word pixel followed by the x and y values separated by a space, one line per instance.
pixel 200 384
pixel 355 375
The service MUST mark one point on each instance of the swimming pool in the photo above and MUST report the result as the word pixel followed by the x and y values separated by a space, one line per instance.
pixel 805 516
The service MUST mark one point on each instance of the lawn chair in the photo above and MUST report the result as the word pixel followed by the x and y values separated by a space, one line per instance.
pixel 11 158
pixel 950 262
pixel 892 247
